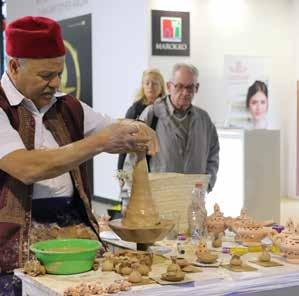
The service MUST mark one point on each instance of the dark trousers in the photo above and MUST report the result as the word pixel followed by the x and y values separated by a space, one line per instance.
pixel 64 211
pixel 10 285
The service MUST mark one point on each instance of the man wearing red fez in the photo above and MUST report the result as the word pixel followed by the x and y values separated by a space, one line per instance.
pixel 45 139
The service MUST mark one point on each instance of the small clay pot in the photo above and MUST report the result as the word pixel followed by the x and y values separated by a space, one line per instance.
pixel 173 266
pixel 173 276
pixel 207 258
pixel 143 269
pixel 126 270
pixel 182 262
pixel 188 268
pixel 265 257
pixel 217 242
pixel 235 261
pixel 107 265
pixel 135 277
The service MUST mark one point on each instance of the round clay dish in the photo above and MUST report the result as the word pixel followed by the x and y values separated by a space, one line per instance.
pixel 207 258
pixel 173 278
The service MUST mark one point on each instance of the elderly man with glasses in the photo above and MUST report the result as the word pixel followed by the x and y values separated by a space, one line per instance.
pixel 188 138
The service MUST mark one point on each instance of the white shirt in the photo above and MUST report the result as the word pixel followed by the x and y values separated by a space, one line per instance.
pixel 11 141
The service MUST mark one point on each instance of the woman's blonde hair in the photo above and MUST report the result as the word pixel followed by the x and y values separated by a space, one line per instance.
pixel 157 74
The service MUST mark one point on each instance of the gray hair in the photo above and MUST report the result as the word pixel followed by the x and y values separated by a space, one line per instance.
pixel 192 69
pixel 22 61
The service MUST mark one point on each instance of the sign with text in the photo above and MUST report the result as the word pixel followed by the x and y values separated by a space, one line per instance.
pixel 170 33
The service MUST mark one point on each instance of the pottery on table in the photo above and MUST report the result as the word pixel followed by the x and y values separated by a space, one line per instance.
pixel 216 225
pixel 201 248
pixel 182 262
pixel 203 254
pixel 236 260
pixel 207 258
pixel 243 220
pixel 173 272
pixel 234 223
pixel 265 255
pixel 216 221
pixel 279 238
pixel 250 233
pixel 290 247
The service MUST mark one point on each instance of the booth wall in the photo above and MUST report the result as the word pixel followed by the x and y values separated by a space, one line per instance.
pixel 119 55
pixel 254 28
pixel 121 51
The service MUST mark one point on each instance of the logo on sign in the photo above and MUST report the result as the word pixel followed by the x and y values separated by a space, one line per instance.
pixel 171 29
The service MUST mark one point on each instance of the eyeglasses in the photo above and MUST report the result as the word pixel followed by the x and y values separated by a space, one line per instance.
pixel 189 88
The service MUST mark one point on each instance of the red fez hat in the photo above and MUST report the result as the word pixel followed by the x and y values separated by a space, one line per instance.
pixel 34 37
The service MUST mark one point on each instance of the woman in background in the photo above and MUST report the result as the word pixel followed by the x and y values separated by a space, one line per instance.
pixel 152 87
pixel 257 104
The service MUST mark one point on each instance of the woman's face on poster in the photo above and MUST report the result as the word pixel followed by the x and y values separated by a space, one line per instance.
pixel 258 106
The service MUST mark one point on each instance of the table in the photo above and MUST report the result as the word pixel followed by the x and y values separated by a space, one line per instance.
pixel 282 280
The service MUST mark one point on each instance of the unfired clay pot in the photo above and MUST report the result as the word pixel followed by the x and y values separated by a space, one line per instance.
pixel 174 272
pixel 141 222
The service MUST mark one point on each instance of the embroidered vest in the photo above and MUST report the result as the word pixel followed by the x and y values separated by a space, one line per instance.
pixel 65 120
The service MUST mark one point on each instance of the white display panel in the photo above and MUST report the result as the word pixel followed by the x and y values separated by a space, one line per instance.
pixel 249 174
pixel 229 188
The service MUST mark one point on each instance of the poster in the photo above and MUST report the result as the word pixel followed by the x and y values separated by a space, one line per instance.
pixel 297 142
pixel 77 75
pixel 247 91
pixel 170 33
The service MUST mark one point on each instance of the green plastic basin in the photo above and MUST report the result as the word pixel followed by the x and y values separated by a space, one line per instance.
pixel 66 256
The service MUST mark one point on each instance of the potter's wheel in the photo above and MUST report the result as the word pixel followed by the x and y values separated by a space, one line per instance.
pixel 143 235
pixel 141 223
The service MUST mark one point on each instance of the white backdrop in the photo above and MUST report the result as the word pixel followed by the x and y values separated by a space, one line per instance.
pixel 259 28
pixel 121 51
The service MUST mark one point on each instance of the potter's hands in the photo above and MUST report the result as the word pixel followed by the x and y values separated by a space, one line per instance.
pixel 128 135
pixel 144 130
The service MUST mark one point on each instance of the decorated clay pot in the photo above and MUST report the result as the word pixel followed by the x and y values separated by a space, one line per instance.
pixel 216 222
pixel 279 238
pixel 290 247
pixel 201 248
pixel 251 232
